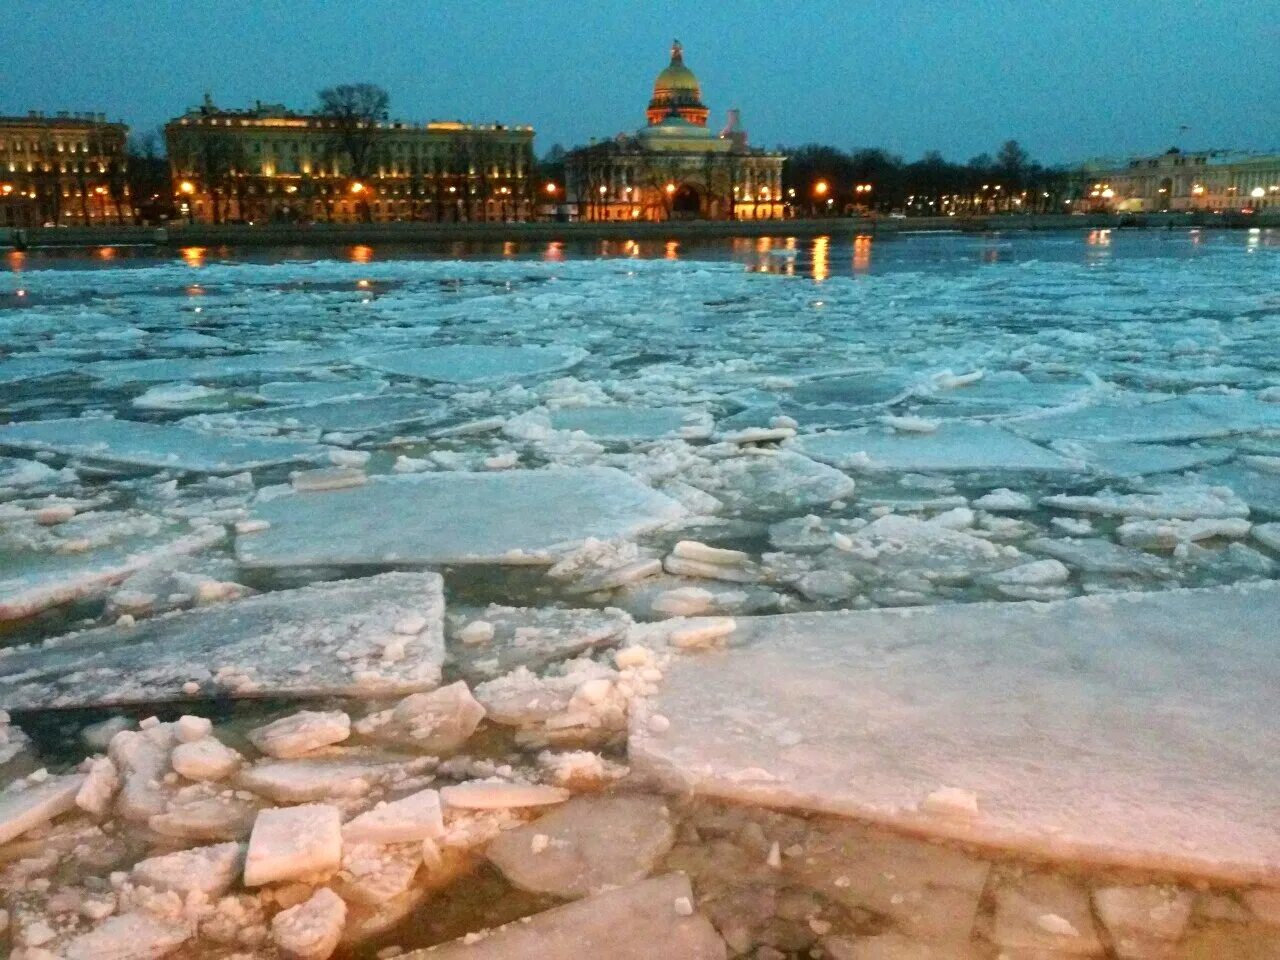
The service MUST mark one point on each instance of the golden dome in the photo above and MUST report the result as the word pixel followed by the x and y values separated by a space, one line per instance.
pixel 676 92
pixel 676 76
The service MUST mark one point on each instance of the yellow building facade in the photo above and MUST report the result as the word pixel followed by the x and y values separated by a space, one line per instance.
pixel 675 167
pixel 269 163
pixel 69 169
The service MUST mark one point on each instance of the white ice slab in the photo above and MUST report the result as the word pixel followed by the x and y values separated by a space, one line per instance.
pixel 1258 488
pixel 353 414
pixel 636 922
pixel 22 809
pixel 519 516
pixel 474 363
pixel 1132 729
pixel 329 639
pixel 152 445
pixel 1182 418
pixel 621 422
pixel 953 447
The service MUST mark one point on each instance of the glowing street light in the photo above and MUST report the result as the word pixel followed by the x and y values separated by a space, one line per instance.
pixel 671 188
pixel 357 187
pixel 186 187
pixel 603 189
pixel 1257 193
pixel 820 188
pixel 551 189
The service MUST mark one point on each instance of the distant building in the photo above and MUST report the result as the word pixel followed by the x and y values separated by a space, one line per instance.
pixel 1205 180
pixel 675 167
pixel 68 169
pixel 271 163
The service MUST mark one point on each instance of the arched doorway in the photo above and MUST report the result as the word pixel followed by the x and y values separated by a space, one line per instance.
pixel 686 203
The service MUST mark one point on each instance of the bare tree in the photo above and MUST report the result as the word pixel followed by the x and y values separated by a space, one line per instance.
pixel 354 111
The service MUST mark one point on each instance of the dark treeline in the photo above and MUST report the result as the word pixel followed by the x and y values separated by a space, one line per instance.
pixel 829 180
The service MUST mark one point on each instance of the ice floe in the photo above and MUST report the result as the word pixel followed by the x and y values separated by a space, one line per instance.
pixel 327 639
pixel 520 517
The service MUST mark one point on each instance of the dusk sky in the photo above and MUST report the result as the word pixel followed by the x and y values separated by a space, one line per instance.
pixel 1070 79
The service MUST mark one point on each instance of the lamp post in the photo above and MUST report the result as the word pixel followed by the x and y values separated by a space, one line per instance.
pixel 820 190
pixel 188 189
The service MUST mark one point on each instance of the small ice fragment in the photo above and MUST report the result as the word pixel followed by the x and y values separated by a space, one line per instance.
pixel 205 760
pixel 476 632
pixel 693 550
pixel 702 633
pixel 301 733
pixel 683 907
pixel 952 801
pixel 189 729
pixel 774 858
pixel 310 930
pixel 659 723
pixel 333 478
pixel 415 817
pixel 1059 926
pixel 500 795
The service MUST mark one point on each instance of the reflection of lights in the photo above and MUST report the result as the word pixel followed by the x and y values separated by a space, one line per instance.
pixel 194 256
pixel 862 253
pixel 554 251
pixel 105 253
pixel 363 284
pixel 22 293
pixel 821 266
pixel 361 253
pixel 673 250
pixel 508 248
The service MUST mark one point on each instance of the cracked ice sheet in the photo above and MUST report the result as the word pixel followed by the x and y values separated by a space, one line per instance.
pixel 1117 458
pixel 346 638
pixel 1131 729
pixel 152 445
pixel 427 519
pixel 1182 418
pixel 475 363
pixel 354 414
pixel 162 369
pixel 952 447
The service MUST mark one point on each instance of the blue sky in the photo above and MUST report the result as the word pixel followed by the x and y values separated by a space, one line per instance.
pixel 1068 79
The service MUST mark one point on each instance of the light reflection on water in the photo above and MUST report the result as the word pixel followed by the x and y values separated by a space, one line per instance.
pixel 813 258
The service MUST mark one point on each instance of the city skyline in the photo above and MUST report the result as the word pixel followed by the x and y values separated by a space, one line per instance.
pixel 955 77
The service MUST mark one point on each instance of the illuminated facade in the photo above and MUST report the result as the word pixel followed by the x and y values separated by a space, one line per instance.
pixel 1211 180
pixel 269 163
pixel 675 167
pixel 69 169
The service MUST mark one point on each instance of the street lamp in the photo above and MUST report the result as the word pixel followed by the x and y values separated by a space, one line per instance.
pixel 551 189
pixel 357 187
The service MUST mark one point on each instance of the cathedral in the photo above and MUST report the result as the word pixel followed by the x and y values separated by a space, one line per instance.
pixel 675 167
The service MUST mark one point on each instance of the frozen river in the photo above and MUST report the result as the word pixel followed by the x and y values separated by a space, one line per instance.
pixel 913 595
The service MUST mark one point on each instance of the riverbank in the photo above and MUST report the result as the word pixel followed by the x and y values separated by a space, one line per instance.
pixel 243 235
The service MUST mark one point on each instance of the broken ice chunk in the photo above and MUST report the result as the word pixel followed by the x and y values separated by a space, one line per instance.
pixel 28 804
pixel 292 842
pixel 211 870
pixel 497 639
pixel 435 722
pixel 622 924
pixel 310 930
pixel 1045 912
pixel 415 817
pixel 474 363
pixel 500 795
pixel 325 639
pixel 300 733
pixel 130 936
pixel 1142 920
pixel 205 759
pixel 587 845
pixel 953 447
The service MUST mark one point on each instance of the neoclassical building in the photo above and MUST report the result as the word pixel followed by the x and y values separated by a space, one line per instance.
pixel 675 167
pixel 1220 180
pixel 272 163
pixel 63 170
